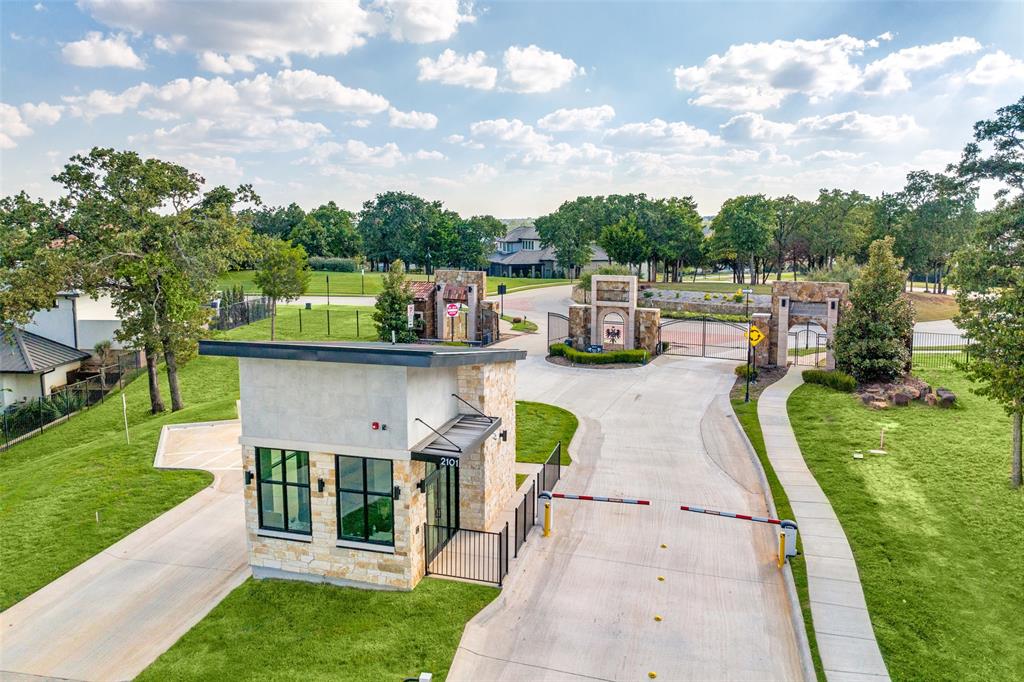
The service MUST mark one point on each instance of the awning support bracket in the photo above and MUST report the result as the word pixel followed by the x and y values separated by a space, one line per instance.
pixel 441 435
pixel 473 407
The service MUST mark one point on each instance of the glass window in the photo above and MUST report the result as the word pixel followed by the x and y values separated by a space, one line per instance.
pixel 366 511
pixel 284 490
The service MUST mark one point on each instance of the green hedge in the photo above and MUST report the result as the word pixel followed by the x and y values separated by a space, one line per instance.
pixel 840 381
pixel 689 315
pixel 741 372
pixel 332 264
pixel 606 358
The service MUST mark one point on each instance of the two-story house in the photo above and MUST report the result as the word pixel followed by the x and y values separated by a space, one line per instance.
pixel 520 254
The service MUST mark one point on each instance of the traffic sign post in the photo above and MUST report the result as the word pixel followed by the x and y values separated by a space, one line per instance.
pixel 750 347
pixel 452 311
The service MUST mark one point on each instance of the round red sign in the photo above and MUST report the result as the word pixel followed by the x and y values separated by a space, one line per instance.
pixel 452 309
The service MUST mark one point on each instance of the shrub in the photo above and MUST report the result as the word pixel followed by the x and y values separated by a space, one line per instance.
pixel 332 264
pixel 606 358
pixel 741 372
pixel 648 294
pixel 516 320
pixel 707 297
pixel 737 297
pixel 585 276
pixel 836 380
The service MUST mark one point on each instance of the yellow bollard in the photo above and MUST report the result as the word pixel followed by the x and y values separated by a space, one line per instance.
pixel 782 549
pixel 547 519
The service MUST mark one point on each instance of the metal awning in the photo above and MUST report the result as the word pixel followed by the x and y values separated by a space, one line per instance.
pixel 460 436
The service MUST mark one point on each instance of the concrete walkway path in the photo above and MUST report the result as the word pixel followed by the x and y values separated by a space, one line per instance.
pixel 846 640
pixel 110 617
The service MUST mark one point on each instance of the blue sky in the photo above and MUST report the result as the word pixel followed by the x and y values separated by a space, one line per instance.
pixel 506 108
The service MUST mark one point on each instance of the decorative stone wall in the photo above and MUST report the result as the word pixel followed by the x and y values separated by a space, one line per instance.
pixel 579 325
pixel 320 559
pixel 613 294
pixel 795 303
pixel 647 332
pixel 707 308
pixel 466 326
pixel 487 477
pixel 489 316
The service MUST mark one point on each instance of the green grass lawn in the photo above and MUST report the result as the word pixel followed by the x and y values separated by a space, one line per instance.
pixel 934 526
pixel 53 485
pixel 313 327
pixel 523 325
pixel 928 307
pixel 280 630
pixel 354 284
pixel 538 427
pixel 747 415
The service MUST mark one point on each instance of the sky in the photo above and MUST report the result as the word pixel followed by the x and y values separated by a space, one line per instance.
pixel 506 108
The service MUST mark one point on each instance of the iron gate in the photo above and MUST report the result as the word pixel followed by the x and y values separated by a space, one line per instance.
pixel 807 347
pixel 558 328
pixel 704 338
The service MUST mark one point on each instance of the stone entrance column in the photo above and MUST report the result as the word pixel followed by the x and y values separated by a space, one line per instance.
pixel 782 332
pixel 830 330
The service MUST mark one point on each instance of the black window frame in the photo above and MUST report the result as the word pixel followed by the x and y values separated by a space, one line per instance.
pixel 285 484
pixel 366 493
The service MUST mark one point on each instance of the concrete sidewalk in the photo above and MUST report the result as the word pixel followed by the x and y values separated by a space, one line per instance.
pixel 110 617
pixel 842 626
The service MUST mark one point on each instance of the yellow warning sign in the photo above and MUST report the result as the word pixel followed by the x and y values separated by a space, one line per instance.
pixel 755 335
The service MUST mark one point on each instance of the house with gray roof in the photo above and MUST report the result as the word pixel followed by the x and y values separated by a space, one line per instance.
pixel 31 366
pixel 520 254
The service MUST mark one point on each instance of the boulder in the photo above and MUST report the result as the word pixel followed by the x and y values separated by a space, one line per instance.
pixel 900 398
pixel 946 397
pixel 931 398
pixel 878 404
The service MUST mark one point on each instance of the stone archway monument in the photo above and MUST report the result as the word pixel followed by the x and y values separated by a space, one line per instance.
pixel 794 303
pixel 613 308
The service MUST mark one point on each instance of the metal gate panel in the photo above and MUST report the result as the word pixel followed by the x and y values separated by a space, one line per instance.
pixel 704 338
pixel 558 328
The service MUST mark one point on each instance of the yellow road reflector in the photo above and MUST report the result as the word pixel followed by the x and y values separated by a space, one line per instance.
pixel 652 675
pixel 661 578
pixel 664 546
pixel 657 619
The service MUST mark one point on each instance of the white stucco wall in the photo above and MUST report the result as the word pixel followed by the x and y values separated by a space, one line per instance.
pixel 57 323
pixel 22 386
pixel 430 399
pixel 91 332
pixel 99 308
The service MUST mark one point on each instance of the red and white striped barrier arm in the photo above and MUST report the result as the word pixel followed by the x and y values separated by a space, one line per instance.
pixel 595 498
pixel 730 515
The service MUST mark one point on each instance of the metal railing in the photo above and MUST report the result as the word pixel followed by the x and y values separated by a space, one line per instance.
pixel 238 314
pixel 480 556
pixel 937 351
pixel 551 472
pixel 27 418
pixel 526 518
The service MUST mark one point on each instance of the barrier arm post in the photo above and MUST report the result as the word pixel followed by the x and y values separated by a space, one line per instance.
pixel 548 512
pixel 787 540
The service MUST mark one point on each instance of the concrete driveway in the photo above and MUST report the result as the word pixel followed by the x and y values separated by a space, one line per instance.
pixel 583 604
pixel 110 617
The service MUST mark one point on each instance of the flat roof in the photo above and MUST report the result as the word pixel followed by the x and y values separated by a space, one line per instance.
pixel 361 353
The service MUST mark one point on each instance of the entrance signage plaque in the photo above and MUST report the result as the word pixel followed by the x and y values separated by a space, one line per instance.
pixel 809 309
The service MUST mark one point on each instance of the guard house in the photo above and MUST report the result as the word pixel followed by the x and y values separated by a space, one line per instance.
pixel 353 453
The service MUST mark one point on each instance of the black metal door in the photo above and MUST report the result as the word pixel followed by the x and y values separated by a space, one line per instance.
pixel 442 490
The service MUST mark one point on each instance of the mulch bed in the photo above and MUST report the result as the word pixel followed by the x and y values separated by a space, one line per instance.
pixel 766 376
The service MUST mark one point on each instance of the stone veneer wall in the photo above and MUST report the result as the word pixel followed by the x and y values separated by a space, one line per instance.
pixel 784 318
pixel 763 321
pixel 648 321
pixel 471 327
pixel 321 559
pixel 579 325
pixel 489 320
pixel 705 307
pixel 487 477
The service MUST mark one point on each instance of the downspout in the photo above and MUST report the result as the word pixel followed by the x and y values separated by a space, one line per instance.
pixel 74 320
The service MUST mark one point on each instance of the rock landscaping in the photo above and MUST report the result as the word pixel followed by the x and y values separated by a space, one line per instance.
pixel 902 393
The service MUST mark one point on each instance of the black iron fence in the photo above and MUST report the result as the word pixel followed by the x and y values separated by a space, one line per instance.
pixel 551 472
pixel 937 351
pixel 480 556
pixel 245 312
pixel 526 518
pixel 28 418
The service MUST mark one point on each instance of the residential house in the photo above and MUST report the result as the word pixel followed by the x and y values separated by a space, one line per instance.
pixel 520 254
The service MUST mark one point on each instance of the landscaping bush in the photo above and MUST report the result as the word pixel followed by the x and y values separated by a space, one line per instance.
pixel 741 372
pixel 606 358
pixel 648 294
pixel 332 264
pixel 836 380
pixel 585 277
pixel 516 320
pixel 738 297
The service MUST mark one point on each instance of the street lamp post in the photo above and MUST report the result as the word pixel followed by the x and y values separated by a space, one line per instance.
pixel 746 312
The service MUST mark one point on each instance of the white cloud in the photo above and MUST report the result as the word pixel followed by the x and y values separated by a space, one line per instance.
pixel 481 172
pixel 261 30
pixel 42 112
pixel 95 51
pixel 429 155
pixel 215 63
pixel 250 134
pixel 563 154
pixel 455 139
pixel 590 118
pixel 361 123
pixel 308 90
pixel 355 152
pixel 855 125
pixel 39 7
pixel 451 68
pixel 661 133
pixel 832 155
pixel 424 21
pixel 995 69
pixel 758 76
pixel 511 132
pixel 216 169
pixel 11 126
pixel 169 43
pixel 531 69
pixel 411 119
pixel 751 127
pixel 101 102
pixel 890 73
